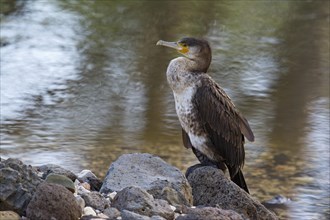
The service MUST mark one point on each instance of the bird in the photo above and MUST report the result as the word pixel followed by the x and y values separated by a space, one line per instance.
pixel 211 124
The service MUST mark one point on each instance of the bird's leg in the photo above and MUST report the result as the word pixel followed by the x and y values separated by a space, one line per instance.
pixel 205 161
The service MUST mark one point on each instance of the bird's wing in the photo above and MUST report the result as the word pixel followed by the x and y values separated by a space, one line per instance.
pixel 186 139
pixel 223 123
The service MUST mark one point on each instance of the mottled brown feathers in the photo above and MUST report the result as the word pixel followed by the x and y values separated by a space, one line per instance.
pixel 222 123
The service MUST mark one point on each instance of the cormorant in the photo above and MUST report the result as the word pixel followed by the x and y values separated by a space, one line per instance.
pixel 211 124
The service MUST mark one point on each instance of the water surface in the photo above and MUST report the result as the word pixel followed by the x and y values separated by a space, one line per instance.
pixel 83 82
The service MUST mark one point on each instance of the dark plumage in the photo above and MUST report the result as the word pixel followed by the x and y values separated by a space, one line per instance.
pixel 211 124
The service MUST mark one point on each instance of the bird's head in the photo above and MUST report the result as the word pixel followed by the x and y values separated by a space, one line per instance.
pixel 196 50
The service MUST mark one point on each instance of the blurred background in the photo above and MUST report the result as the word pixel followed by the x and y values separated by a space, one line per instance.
pixel 83 82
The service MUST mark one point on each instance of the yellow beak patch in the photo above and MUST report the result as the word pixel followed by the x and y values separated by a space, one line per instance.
pixel 184 49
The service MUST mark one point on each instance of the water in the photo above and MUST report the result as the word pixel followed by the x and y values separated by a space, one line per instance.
pixel 83 82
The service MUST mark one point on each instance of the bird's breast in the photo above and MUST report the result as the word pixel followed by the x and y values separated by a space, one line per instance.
pixel 188 117
pixel 185 109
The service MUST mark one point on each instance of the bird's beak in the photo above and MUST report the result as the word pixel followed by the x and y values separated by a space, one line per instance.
pixel 173 45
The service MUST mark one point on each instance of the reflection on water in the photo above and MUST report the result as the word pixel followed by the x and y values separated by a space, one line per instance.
pixel 82 82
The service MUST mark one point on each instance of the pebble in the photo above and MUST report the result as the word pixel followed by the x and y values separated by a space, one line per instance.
pixel 86 186
pixel 84 174
pixel 101 215
pixel 80 201
pixel 81 190
pixel 61 180
pixel 89 211
pixel 112 195
pixel 9 215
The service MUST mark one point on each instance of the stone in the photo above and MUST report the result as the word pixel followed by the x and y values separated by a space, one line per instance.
pixel 53 201
pixel 163 189
pixel 111 212
pixel 18 183
pixel 210 213
pixel 112 195
pixel 157 217
pixel 101 215
pixel 89 211
pixel 53 168
pixel 61 180
pixel 89 177
pixel 82 190
pixel 151 173
pixel 80 201
pixel 96 200
pixel 84 175
pixel 210 187
pixel 86 186
pixel 140 201
pixel 9 215
pixel 128 215
pixel 90 217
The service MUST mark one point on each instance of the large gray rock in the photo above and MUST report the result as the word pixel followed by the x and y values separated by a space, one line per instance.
pixel 151 173
pixel 140 201
pixel 210 187
pixel 18 183
pixel 53 201
pixel 209 213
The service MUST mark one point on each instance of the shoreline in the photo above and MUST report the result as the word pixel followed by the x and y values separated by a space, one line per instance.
pixel 136 186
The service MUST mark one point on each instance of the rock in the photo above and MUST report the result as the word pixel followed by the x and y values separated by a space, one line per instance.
pixel 111 212
pixel 101 215
pixel 212 188
pixel 52 168
pixel 140 201
pixel 128 215
pixel 61 180
pixel 211 213
pixel 90 178
pixel 18 183
pixel 81 190
pixel 157 217
pixel 80 201
pixel 112 195
pixel 9 215
pixel 86 186
pixel 163 189
pixel 84 175
pixel 89 211
pixel 96 200
pixel 90 217
pixel 53 201
pixel 278 201
pixel 151 173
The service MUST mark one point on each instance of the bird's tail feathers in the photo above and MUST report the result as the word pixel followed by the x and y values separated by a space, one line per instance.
pixel 240 181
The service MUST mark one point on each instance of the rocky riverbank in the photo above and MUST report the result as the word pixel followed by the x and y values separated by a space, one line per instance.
pixel 137 187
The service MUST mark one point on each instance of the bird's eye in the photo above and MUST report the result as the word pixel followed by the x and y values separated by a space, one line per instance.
pixel 183 44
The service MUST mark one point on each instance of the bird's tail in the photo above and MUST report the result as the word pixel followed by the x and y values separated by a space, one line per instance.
pixel 240 181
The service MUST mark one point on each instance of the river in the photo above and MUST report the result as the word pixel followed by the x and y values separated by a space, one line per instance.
pixel 83 82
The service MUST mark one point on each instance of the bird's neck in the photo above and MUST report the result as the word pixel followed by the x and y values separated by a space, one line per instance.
pixel 196 66
pixel 181 75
